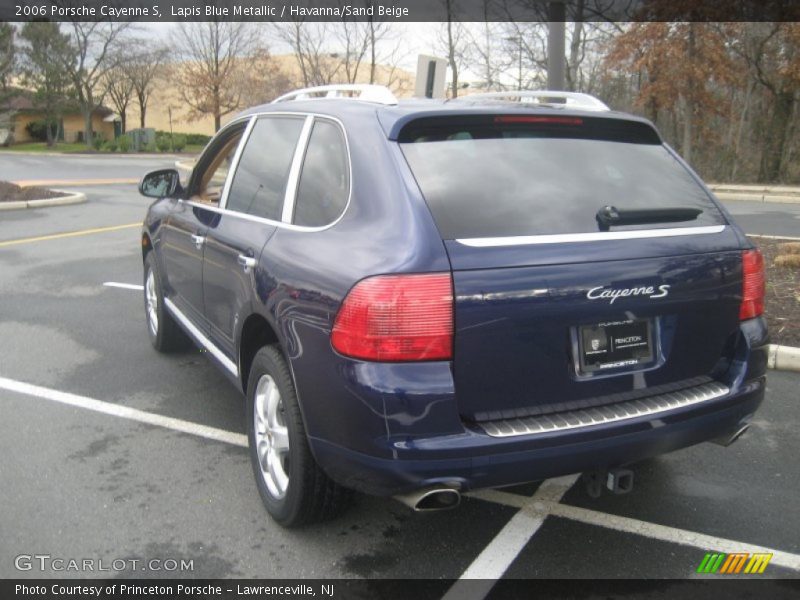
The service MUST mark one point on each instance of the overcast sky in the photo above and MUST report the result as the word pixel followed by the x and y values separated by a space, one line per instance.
pixel 417 38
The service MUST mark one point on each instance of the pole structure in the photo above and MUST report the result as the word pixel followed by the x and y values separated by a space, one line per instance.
pixel 557 15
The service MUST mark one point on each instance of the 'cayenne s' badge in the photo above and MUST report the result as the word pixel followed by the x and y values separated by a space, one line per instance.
pixel 612 294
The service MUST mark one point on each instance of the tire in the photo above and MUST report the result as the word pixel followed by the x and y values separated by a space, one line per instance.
pixel 293 488
pixel 165 334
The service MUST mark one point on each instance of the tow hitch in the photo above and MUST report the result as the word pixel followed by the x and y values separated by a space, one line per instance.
pixel 618 481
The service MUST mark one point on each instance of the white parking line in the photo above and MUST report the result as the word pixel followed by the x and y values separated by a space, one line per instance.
pixel 109 408
pixel 495 559
pixel 506 545
pixel 674 535
pixel 124 286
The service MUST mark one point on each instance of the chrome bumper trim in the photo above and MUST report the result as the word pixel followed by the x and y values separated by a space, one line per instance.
pixel 601 415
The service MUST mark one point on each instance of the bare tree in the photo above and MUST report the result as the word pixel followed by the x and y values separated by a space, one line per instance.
pixel 319 62
pixel 453 41
pixel 215 56
pixel 143 71
pixel 354 39
pixel 118 88
pixel 93 54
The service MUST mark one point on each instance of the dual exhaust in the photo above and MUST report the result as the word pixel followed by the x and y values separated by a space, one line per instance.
pixel 617 481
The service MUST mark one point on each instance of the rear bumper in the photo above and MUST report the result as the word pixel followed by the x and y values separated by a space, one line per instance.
pixel 473 459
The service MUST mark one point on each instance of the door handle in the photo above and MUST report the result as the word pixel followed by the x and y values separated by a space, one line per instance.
pixel 198 240
pixel 248 262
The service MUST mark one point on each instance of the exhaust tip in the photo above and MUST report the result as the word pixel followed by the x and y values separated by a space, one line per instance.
pixel 727 439
pixel 438 500
pixel 431 499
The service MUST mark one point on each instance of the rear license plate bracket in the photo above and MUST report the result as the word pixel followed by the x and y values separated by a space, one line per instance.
pixel 625 344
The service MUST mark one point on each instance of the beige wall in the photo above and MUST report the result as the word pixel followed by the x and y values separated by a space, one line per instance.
pixel 167 95
pixel 73 123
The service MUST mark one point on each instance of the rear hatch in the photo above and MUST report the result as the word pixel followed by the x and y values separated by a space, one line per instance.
pixel 589 265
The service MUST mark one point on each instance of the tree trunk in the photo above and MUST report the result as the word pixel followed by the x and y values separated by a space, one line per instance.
pixel 49 131
pixel 772 158
pixel 688 116
pixel 142 113
pixel 123 118
pixel 217 121
pixel 87 126
pixel 451 50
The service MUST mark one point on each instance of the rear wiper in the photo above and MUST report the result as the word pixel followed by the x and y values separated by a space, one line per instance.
pixel 611 215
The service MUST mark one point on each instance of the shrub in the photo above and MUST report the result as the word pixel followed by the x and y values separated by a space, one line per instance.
pixel 790 261
pixel 124 143
pixel 151 147
pixel 111 145
pixel 162 143
pixel 179 142
pixel 97 142
pixel 38 129
pixel 198 139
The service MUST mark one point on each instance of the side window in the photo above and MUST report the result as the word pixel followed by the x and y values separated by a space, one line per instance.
pixel 325 179
pixel 259 183
pixel 215 167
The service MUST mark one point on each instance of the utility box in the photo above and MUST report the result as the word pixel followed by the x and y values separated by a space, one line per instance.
pixel 431 77
pixel 142 138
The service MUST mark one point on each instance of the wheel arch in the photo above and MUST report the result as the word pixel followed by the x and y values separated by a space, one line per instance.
pixel 256 333
pixel 147 245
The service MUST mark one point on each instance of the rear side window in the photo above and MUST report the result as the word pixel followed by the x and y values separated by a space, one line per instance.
pixel 325 179
pixel 259 183
pixel 506 176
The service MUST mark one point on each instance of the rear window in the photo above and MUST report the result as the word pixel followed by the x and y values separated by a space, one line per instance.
pixel 516 175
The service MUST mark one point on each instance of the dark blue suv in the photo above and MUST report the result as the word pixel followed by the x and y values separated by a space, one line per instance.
pixel 423 298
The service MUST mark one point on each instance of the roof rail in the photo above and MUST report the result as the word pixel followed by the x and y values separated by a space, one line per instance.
pixel 551 98
pixel 359 91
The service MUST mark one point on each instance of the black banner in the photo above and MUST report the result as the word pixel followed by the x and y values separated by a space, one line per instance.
pixel 399 10
pixel 391 589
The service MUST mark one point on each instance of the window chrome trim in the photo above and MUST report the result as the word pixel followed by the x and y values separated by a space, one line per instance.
pixel 281 224
pixel 600 236
pixel 290 197
pixel 237 156
pixel 201 338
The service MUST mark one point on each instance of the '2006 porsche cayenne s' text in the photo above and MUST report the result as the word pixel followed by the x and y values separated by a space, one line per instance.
pixel 422 298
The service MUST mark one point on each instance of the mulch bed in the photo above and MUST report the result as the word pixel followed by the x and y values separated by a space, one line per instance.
pixel 10 192
pixel 783 294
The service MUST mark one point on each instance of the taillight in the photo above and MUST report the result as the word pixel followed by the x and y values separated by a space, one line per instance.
pixel 397 318
pixel 753 285
pixel 539 119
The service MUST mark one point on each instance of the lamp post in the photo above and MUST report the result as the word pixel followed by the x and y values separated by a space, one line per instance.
pixel 556 15
pixel 517 39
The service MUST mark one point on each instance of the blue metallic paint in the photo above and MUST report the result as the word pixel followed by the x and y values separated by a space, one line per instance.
pixel 387 428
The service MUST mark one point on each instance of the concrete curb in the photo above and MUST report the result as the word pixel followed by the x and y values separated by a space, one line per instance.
pixel 783 358
pixel 185 165
pixel 756 193
pixel 67 198
pixel 93 154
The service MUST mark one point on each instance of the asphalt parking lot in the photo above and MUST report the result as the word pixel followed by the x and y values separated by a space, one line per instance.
pixel 112 451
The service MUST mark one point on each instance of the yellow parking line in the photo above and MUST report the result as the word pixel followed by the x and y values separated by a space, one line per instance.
pixel 71 182
pixel 56 236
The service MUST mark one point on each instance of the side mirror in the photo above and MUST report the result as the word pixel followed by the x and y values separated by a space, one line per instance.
pixel 164 183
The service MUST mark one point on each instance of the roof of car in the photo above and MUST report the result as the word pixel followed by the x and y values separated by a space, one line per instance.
pixel 393 117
